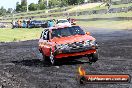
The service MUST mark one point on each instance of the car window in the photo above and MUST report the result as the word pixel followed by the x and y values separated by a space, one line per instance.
pixel 68 31
pixel 45 35
pixel 76 30
pixel 56 33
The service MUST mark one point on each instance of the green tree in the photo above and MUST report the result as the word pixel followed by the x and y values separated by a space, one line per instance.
pixel 33 7
pixel 2 11
pixel 75 2
pixel 42 6
pixel 9 10
pixel 64 3
pixel 23 6
pixel 18 7
pixel 40 1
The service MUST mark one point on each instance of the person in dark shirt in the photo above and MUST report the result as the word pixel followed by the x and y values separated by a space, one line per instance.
pixel 28 22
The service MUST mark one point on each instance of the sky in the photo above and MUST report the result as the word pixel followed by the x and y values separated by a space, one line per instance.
pixel 12 3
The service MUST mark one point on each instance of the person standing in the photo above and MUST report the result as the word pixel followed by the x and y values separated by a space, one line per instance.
pixel 50 23
pixel 19 23
pixel 28 22
pixel 54 22
pixel 13 24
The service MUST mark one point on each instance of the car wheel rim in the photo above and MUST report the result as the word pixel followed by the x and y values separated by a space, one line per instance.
pixel 52 58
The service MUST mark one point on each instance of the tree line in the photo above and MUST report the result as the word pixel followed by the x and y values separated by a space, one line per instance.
pixel 3 11
pixel 42 4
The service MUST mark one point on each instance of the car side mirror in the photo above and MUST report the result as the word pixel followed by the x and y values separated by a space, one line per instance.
pixel 88 33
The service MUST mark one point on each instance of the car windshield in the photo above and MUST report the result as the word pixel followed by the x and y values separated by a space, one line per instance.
pixel 63 32
pixel 62 21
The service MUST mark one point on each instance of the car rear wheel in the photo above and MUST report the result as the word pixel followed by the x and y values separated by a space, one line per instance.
pixel 45 58
pixel 93 57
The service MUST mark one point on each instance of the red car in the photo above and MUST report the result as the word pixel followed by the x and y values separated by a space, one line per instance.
pixel 58 42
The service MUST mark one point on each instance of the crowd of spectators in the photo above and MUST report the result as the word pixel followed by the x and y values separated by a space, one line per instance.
pixel 21 23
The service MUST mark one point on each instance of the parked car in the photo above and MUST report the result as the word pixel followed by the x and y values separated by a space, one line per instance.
pixel 63 22
pixel 37 24
pixel 58 42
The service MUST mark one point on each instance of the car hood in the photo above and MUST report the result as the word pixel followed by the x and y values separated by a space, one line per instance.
pixel 71 39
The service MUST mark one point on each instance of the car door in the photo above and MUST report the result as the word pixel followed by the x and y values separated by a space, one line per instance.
pixel 45 42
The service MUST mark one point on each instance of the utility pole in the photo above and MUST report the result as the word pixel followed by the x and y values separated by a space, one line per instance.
pixel 27 5
pixel 47 3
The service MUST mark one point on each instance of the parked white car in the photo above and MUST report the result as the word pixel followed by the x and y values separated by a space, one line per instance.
pixel 63 22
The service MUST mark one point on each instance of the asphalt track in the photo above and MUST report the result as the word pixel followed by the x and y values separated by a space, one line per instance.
pixel 21 68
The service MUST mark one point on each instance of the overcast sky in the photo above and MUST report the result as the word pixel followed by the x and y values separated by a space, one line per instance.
pixel 12 3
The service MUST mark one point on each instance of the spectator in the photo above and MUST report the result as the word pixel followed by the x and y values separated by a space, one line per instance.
pixel 24 24
pixel 50 23
pixel 19 23
pixel 69 19
pixel 54 21
pixel 13 24
pixel 28 22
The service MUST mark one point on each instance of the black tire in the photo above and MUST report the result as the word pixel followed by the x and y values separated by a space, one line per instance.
pixel 93 57
pixel 45 58
pixel 50 59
